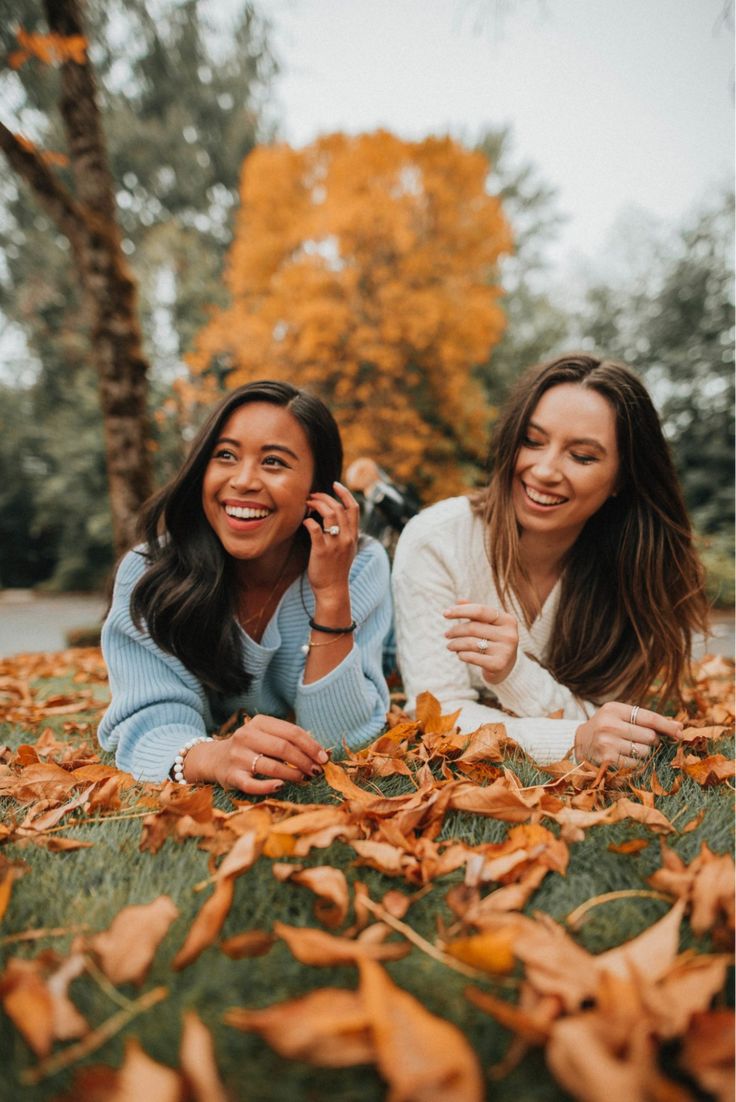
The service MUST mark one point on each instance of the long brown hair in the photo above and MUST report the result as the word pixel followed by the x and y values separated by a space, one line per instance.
pixel 632 586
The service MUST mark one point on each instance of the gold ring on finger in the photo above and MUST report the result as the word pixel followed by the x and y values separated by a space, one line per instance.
pixel 254 763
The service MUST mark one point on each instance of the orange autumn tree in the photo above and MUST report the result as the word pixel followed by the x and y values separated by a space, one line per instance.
pixel 365 269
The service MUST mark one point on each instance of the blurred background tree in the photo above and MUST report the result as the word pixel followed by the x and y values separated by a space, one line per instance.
pixel 182 106
pixel 366 268
pixel 667 309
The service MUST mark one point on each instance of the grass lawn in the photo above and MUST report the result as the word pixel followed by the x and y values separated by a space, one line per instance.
pixel 50 890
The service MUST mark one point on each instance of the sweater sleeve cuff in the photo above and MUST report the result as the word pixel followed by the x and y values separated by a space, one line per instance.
pixel 544 740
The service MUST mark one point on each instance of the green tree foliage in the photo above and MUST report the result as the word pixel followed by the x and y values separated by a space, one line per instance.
pixel 182 107
pixel 674 324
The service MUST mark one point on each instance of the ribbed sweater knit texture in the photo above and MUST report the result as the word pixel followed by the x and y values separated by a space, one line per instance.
pixel 440 558
pixel 157 705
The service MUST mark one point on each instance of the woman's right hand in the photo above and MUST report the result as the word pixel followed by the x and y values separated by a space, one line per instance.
pixel 280 751
pixel 610 737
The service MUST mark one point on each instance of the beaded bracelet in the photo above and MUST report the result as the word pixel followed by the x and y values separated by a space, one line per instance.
pixel 177 770
pixel 332 631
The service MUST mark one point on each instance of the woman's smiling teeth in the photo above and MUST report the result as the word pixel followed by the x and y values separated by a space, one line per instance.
pixel 242 512
pixel 543 499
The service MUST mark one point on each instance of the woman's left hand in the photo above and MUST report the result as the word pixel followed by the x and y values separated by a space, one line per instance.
pixel 485 637
pixel 334 543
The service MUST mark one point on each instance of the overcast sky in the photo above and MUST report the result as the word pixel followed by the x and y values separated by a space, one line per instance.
pixel 617 102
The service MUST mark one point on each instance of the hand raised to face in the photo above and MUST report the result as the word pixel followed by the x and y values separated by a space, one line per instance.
pixel 335 541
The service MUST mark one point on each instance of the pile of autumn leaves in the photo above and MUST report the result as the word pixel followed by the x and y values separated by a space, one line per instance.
pixel 602 1019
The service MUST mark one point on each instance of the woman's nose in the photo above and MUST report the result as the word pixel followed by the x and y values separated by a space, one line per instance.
pixel 246 475
pixel 546 466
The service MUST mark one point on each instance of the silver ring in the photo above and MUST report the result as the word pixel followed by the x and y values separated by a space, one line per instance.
pixel 634 714
pixel 334 530
pixel 254 763
pixel 482 645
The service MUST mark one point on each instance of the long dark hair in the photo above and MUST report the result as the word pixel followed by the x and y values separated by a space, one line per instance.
pixel 187 596
pixel 632 586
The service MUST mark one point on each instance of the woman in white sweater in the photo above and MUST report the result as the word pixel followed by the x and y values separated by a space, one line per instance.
pixel 568 585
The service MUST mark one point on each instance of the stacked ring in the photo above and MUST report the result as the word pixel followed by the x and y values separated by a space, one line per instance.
pixel 634 714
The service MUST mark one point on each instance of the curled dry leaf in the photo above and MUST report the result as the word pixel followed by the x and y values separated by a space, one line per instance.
pixel 489 743
pixel 706 884
pixel 27 1001
pixel 330 885
pixel 422 1057
pixel 251 943
pixel 328 1027
pixel 581 1059
pixel 531 1026
pixel 141 1077
pixel 197 1060
pixel 38 1004
pixel 6 887
pixel 126 949
pixel 711 770
pixel 207 924
pixel 708 1052
pixel 316 947
pixel 490 951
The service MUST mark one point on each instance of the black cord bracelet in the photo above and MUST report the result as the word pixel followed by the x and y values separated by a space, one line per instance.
pixel 332 631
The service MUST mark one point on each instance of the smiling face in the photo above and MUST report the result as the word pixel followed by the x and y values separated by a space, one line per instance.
pixel 568 462
pixel 256 483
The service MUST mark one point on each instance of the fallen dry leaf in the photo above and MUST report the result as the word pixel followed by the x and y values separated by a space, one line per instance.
pixel 316 947
pixel 251 943
pixel 708 1052
pixel 706 884
pixel 422 1057
pixel 330 885
pixel 329 1028
pixel 207 924
pixel 490 951
pixel 197 1060
pixel 126 949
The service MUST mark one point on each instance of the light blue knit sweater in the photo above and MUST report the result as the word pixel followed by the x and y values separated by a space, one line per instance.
pixel 158 705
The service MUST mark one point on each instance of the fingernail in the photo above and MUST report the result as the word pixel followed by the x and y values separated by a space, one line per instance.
pixel 322 756
pixel 317 771
pixel 277 785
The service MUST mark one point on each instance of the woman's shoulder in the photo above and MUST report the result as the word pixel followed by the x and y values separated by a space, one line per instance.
pixel 444 523
pixel 131 566
pixel 371 557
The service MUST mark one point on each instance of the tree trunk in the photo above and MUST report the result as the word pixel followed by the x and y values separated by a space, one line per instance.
pixel 88 220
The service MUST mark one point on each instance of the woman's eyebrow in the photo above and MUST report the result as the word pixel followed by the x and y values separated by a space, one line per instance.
pixel 264 448
pixel 279 448
pixel 587 440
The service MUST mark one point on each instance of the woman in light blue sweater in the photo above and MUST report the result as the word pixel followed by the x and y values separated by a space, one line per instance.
pixel 251 591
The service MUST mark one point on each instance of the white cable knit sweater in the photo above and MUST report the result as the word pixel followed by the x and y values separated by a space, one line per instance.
pixel 440 558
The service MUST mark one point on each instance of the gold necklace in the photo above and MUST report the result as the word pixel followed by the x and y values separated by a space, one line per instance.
pixel 259 614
